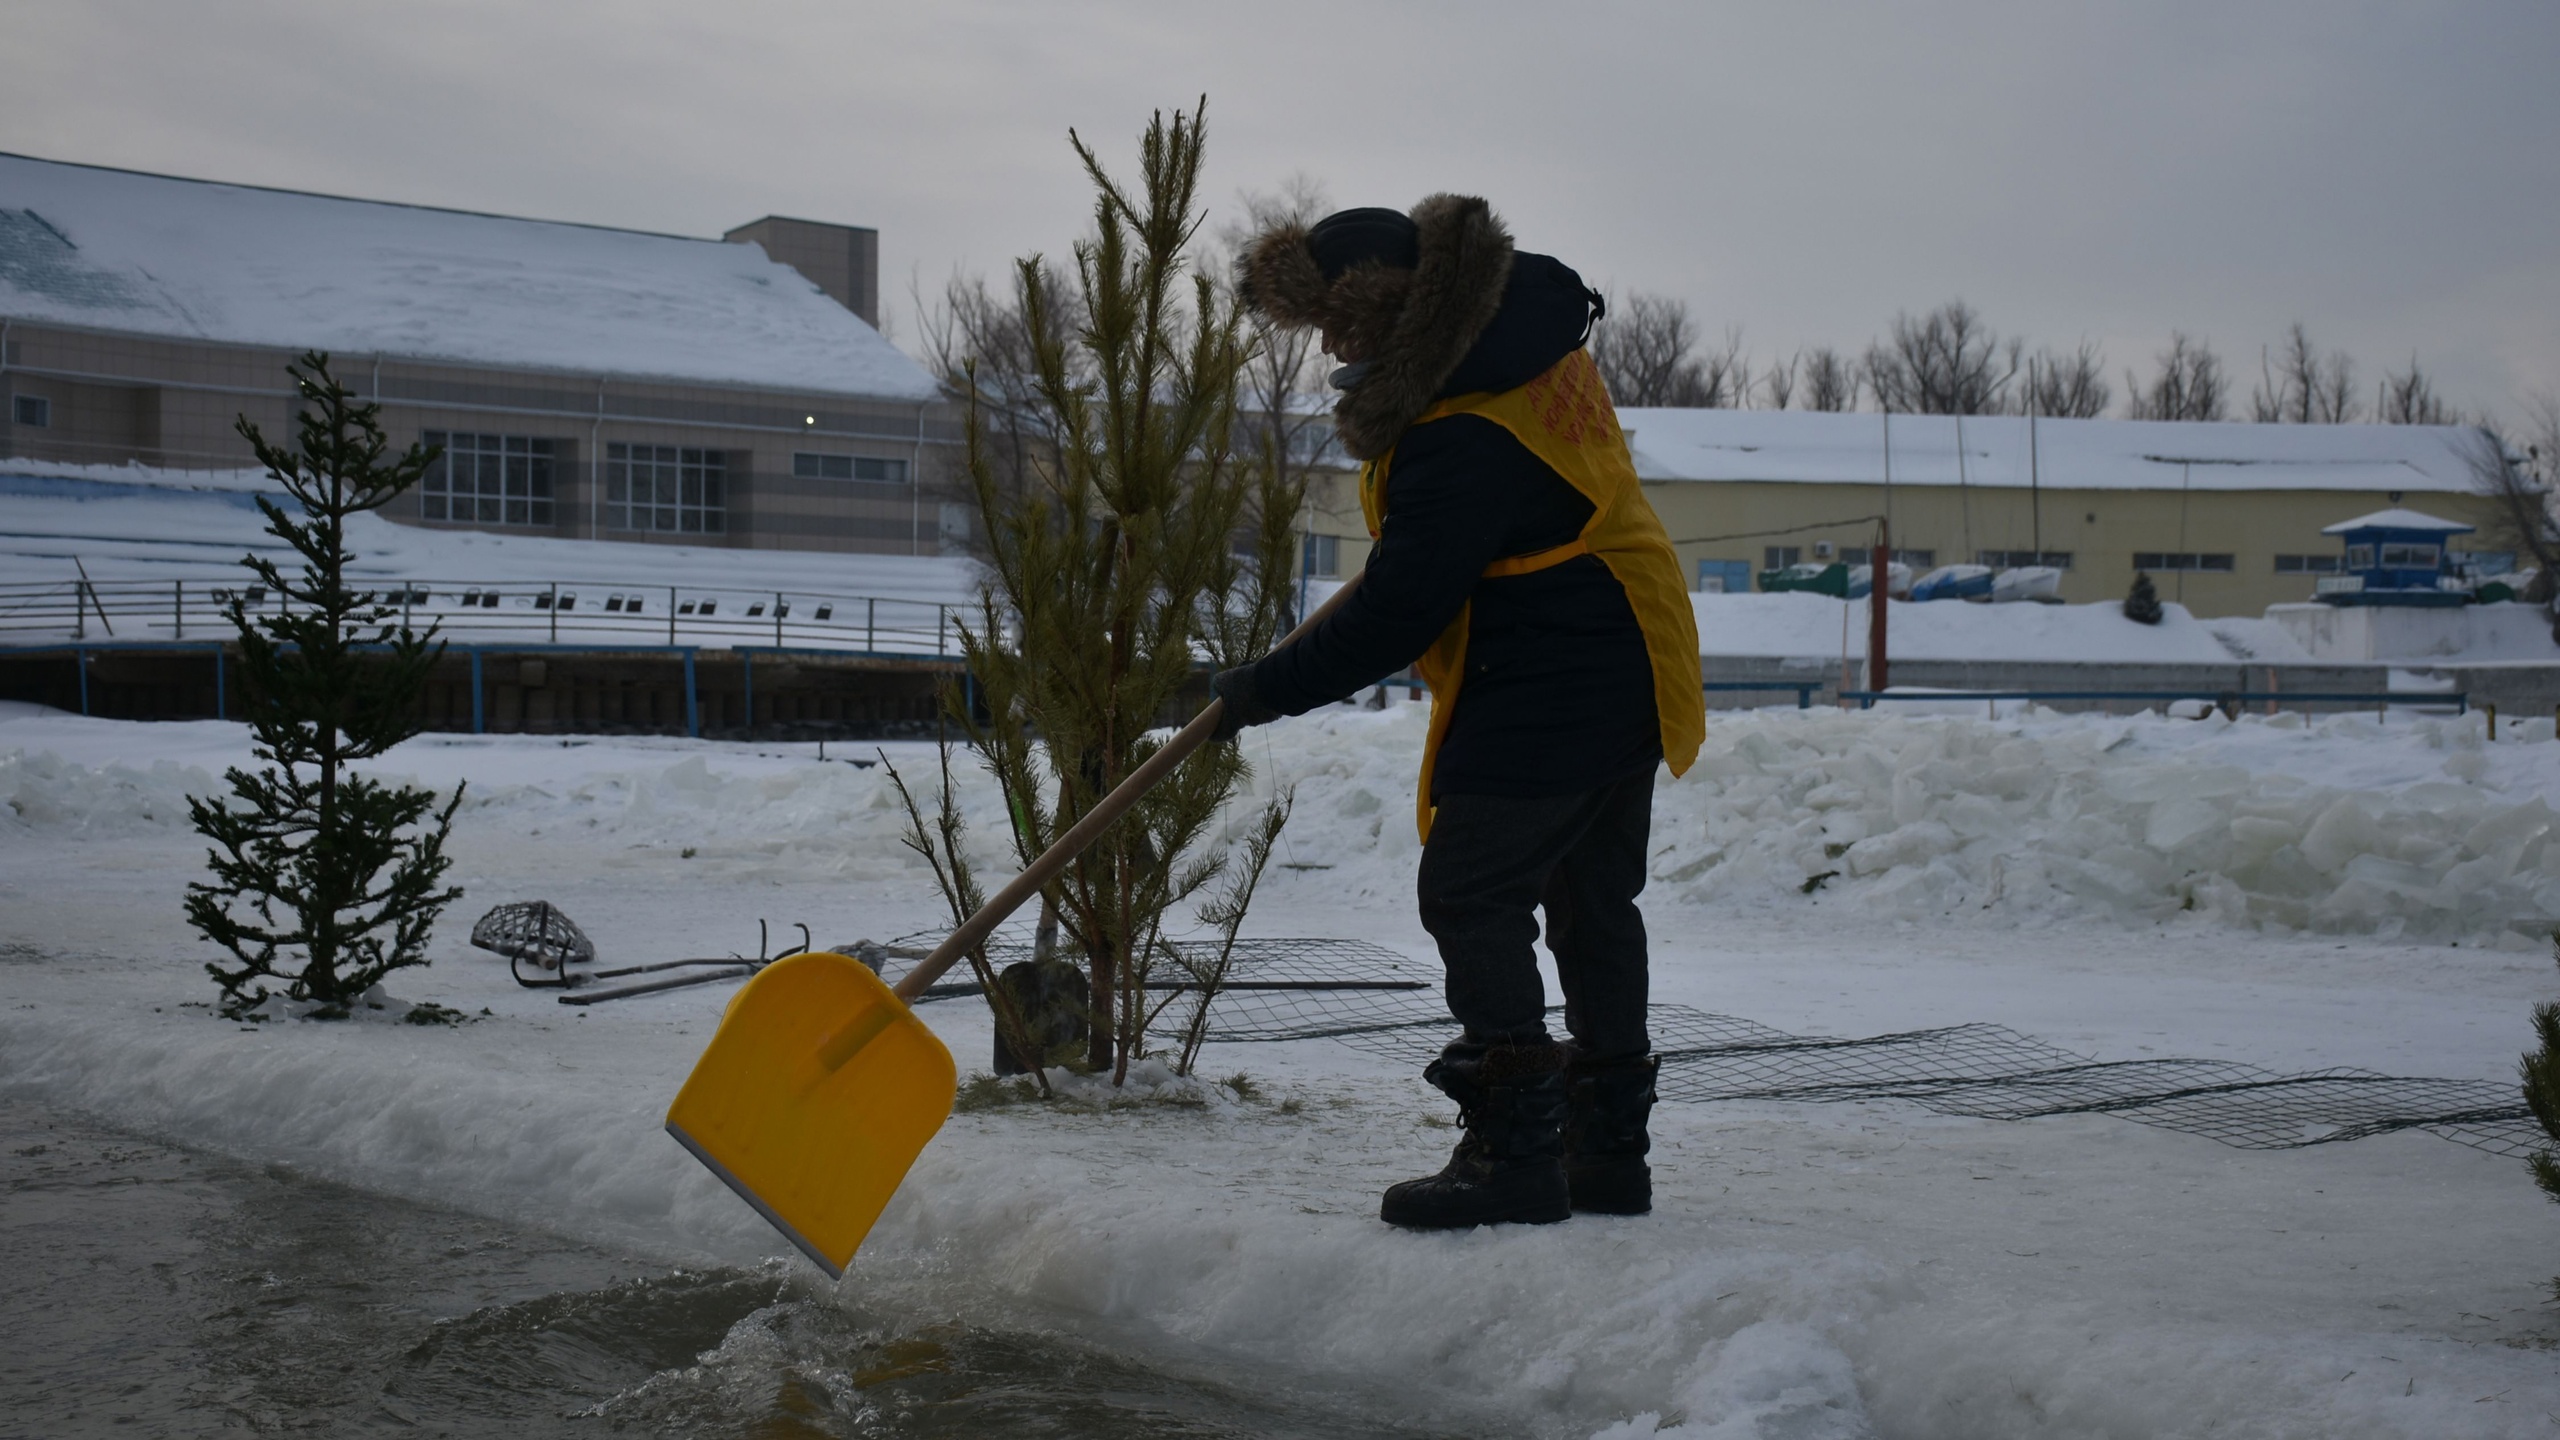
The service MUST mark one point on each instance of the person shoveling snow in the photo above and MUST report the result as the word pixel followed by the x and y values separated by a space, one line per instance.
pixel 1519 566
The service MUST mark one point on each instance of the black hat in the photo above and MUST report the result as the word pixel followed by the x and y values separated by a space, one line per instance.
pixel 1347 237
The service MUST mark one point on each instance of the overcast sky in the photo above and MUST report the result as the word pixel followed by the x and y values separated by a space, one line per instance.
pixel 2387 172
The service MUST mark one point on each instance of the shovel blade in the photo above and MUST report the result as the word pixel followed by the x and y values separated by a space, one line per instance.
pixel 816 1094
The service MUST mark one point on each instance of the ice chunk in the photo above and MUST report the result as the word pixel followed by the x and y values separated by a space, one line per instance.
pixel 1903 845
pixel 2342 832
pixel 2177 824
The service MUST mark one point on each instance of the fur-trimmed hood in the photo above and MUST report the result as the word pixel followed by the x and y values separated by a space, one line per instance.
pixel 1414 325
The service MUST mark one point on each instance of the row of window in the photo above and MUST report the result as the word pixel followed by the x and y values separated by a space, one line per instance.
pixel 2357 557
pixel 1779 557
pixel 2174 560
pixel 660 489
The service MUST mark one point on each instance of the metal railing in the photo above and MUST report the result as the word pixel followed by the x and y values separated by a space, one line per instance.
pixel 2228 700
pixel 1804 690
pixel 545 613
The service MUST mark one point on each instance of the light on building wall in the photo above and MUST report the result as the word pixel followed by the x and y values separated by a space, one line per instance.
pixel 813 420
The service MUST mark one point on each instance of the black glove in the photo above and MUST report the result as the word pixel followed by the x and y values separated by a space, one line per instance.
pixel 1243 703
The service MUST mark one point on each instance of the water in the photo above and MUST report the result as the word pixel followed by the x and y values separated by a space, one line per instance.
pixel 158 1291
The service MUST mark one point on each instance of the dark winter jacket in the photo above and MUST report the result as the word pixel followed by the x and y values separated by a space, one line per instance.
pixel 1558 694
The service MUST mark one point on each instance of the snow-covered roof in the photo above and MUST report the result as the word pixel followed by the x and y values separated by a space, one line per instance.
pixel 1802 446
pixel 157 255
pixel 2398 520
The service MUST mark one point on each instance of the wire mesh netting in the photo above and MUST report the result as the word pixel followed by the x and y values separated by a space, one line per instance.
pixel 535 931
pixel 1370 997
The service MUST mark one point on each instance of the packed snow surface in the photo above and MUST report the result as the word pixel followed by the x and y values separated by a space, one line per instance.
pixel 157 255
pixel 1801 626
pixel 2342 892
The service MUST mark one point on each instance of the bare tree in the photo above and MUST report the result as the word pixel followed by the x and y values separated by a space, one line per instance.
pixel 1946 362
pixel 2520 484
pixel 1724 376
pixel 978 343
pixel 2296 386
pixel 1644 350
pixel 1282 414
pixel 1830 382
pixel 1779 384
pixel 2410 398
pixel 2073 386
pixel 2189 384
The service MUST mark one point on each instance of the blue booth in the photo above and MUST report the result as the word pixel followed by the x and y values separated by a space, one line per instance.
pixel 2395 557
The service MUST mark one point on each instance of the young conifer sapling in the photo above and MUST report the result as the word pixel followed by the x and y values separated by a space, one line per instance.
pixel 323 880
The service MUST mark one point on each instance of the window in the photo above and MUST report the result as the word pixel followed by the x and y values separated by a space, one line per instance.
pixel 2172 560
pixel 2014 559
pixel 849 467
pixel 34 410
pixel 1322 557
pixel 1779 557
pixel 666 489
pixel 1916 559
pixel 2307 564
pixel 488 479
pixel 2359 557
pixel 1724 577
pixel 2410 557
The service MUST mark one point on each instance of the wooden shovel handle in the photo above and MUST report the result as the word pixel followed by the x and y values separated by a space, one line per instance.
pixel 1062 852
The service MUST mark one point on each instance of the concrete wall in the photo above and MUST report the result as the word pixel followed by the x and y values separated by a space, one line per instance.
pixel 2403 633
pixel 2012 675
pixel 843 260
pixel 537 691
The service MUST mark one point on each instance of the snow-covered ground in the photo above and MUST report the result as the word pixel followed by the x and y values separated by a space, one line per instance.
pixel 2342 892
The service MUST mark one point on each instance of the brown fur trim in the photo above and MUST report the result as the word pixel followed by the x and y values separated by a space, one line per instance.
pixel 1414 325
pixel 1277 277
pixel 1466 261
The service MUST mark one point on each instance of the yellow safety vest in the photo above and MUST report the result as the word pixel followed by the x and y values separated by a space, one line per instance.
pixel 1565 419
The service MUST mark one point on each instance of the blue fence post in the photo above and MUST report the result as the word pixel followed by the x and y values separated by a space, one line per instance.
pixel 220 711
pixel 80 662
pixel 478 716
pixel 692 711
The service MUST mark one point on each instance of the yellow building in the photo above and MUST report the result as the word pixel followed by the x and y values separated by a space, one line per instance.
pixel 2225 517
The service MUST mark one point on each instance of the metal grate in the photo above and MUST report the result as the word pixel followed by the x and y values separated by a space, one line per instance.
pixel 1370 997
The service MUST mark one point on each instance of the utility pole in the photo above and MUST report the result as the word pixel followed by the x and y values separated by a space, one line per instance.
pixel 1878 567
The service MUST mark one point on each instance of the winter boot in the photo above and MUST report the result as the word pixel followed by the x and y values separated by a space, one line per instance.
pixel 1509 1165
pixel 1604 1138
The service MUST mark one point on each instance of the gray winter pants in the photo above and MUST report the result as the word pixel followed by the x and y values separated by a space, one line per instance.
pixel 1492 860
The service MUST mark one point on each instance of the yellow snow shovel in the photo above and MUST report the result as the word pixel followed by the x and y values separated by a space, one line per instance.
pixel 821 1086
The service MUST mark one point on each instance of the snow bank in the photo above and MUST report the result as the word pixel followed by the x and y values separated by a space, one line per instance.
pixel 1799 625
pixel 2420 828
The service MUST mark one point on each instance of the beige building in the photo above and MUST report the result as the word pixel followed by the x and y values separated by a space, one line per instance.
pixel 584 382
pixel 2226 518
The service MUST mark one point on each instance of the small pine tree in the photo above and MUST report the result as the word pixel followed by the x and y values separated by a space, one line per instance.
pixel 2540 1072
pixel 2142 603
pixel 322 878
pixel 1156 537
